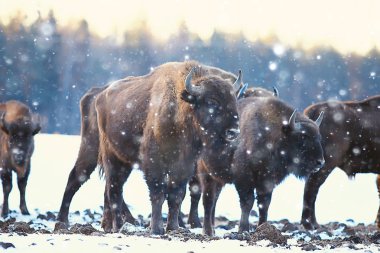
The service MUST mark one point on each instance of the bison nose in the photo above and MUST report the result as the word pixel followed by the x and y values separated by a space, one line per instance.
pixel 232 134
pixel 320 163
pixel 18 156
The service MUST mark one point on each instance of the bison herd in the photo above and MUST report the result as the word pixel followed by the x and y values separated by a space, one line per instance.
pixel 190 124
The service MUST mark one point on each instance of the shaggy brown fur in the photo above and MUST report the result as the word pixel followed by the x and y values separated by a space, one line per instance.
pixel 152 122
pixel 258 162
pixel 351 141
pixel 17 127
pixel 210 178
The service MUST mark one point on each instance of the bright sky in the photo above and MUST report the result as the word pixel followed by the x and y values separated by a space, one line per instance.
pixel 347 25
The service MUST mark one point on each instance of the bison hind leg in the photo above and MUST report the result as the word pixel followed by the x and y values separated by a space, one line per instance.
pixel 116 173
pixel 127 215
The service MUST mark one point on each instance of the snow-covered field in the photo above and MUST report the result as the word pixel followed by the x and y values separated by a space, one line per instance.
pixel 339 199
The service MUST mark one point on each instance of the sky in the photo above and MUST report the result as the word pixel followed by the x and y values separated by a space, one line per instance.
pixel 346 25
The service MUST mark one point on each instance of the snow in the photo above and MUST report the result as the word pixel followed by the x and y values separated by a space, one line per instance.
pixel 339 199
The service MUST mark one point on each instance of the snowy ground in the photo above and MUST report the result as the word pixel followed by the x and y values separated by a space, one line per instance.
pixel 339 199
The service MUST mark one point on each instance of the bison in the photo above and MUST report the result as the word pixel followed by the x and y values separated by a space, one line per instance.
pixel 350 140
pixel 274 142
pixel 161 123
pixel 18 126
pixel 208 178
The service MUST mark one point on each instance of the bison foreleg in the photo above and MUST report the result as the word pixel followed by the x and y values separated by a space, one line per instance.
pixel 195 194
pixel 176 192
pixel 247 199
pixel 312 186
pixel 264 197
pixel 6 178
pixel 211 191
pixel 157 198
pixel 21 182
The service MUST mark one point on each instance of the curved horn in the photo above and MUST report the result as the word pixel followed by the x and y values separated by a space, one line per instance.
pixel 292 121
pixel 276 93
pixel 192 89
pixel 238 81
pixel 320 118
pixel 242 91
pixel 3 124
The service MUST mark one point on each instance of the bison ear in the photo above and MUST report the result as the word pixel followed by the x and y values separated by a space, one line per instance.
pixel 3 125
pixel 187 97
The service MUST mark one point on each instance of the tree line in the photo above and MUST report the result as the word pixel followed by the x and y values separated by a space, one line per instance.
pixel 50 67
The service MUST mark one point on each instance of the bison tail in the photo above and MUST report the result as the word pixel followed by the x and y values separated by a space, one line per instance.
pixel 100 165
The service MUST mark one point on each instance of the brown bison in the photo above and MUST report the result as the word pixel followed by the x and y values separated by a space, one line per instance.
pixel 18 126
pixel 274 142
pixel 208 178
pixel 161 123
pixel 350 140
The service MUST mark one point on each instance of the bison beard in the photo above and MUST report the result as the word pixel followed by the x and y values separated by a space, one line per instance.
pixel 343 121
pixel 17 128
pixel 163 121
pixel 252 166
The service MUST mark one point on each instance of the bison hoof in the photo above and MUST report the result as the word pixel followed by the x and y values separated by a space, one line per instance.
pixel 157 231
pixel 4 214
pixel 195 224
pixel 310 225
pixel 25 212
pixel 107 227
pixel 60 225
pixel 209 232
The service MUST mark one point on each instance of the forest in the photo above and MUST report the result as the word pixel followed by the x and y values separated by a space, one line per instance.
pixel 50 67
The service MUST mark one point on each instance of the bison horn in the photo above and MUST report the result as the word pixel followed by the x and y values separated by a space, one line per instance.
pixel 238 81
pixel 242 90
pixel 276 93
pixel 292 120
pixel 3 124
pixel 320 118
pixel 192 89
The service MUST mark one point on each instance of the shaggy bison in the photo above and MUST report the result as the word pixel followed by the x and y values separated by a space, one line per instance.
pixel 274 142
pixel 161 123
pixel 18 126
pixel 208 178
pixel 350 140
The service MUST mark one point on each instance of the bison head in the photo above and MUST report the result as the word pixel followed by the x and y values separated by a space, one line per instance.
pixel 20 139
pixel 303 150
pixel 214 102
